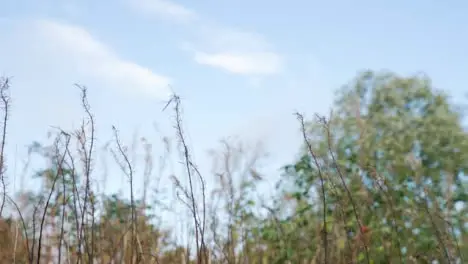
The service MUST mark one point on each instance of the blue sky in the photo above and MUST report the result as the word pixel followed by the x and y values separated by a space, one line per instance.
pixel 241 67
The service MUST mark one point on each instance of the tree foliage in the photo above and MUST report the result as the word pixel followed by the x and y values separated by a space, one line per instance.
pixel 380 180
pixel 393 154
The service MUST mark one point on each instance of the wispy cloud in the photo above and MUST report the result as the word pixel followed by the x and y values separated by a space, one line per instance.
pixel 97 60
pixel 235 51
pixel 164 9
pixel 241 61
pixel 259 63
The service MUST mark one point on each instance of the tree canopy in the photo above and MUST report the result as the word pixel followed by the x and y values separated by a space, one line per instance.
pixel 382 179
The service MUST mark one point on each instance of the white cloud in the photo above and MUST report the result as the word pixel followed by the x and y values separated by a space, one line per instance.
pixel 165 9
pixel 235 51
pixel 257 63
pixel 95 59
pixel 238 52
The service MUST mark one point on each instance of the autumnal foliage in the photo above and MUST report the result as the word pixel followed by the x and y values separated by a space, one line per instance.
pixel 381 180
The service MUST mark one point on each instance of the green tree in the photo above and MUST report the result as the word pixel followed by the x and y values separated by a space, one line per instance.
pixel 114 232
pixel 392 158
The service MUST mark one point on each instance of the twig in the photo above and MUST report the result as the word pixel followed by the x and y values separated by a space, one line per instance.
pixel 129 172
pixel 190 168
pixel 5 100
pixel 59 171
pixel 322 185
pixel 350 197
